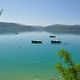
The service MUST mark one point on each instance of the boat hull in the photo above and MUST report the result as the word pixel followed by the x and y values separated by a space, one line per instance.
pixel 52 36
pixel 56 42
pixel 37 42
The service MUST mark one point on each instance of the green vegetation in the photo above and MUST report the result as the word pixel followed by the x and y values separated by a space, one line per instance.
pixel 1 11
pixel 68 70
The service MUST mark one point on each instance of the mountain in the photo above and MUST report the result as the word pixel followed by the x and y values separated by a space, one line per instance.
pixel 58 28
pixel 14 27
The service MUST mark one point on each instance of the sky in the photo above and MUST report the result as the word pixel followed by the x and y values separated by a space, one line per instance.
pixel 41 12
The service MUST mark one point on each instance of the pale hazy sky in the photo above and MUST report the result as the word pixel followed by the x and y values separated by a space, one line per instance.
pixel 41 12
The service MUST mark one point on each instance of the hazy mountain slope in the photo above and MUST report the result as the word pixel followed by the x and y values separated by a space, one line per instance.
pixel 58 28
pixel 13 27
pixel 63 28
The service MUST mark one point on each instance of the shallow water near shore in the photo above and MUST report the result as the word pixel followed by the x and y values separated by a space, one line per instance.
pixel 22 60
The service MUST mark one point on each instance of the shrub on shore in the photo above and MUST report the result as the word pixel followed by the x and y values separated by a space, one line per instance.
pixel 69 70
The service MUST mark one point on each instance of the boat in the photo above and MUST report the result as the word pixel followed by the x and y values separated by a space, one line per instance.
pixel 16 33
pixel 36 41
pixel 53 36
pixel 55 41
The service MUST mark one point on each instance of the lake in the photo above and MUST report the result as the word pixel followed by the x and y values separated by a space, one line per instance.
pixel 22 60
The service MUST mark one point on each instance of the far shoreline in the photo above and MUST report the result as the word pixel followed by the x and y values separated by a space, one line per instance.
pixel 14 28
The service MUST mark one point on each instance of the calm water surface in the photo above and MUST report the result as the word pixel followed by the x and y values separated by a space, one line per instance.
pixel 22 60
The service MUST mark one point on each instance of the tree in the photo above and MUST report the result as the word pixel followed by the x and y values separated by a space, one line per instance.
pixel 68 70
pixel 1 11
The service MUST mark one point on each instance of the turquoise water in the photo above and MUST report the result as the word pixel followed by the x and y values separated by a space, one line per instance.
pixel 22 60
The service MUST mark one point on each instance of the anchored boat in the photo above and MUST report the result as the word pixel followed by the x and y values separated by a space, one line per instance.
pixel 55 41
pixel 36 41
pixel 53 36
pixel 16 33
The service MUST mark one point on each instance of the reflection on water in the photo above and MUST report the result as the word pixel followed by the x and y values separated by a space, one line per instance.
pixel 22 60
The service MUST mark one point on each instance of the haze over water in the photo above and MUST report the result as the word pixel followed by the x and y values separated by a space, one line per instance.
pixel 22 60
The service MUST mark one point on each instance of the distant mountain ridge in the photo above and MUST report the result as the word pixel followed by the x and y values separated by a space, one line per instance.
pixel 14 27
pixel 57 28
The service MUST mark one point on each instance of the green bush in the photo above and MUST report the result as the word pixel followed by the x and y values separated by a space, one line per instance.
pixel 72 70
